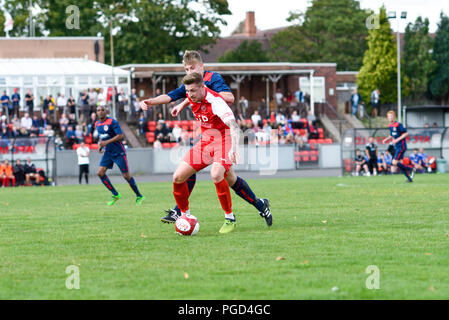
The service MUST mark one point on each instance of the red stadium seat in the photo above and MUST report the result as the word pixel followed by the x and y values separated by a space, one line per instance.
pixel 328 141
pixel 75 146
pixel 93 146
pixel 166 145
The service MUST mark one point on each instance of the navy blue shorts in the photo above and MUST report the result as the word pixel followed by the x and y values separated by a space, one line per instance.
pixel 399 154
pixel 120 160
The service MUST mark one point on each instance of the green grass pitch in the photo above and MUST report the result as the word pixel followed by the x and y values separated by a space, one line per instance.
pixel 326 232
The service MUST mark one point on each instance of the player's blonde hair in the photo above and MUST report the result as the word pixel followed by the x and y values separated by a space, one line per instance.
pixel 391 112
pixel 193 78
pixel 191 57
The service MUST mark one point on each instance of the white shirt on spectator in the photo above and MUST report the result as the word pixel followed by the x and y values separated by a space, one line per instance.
pixel 177 132
pixel 101 99
pixel 296 117
pixel 279 97
pixel 61 102
pixel 83 155
pixel 280 118
pixel 255 118
pixel 26 123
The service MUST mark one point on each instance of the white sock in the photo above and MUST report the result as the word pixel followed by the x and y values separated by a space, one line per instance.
pixel 229 216
pixel 187 212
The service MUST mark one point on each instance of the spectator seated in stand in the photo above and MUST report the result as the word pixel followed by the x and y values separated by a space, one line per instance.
pixel 7 174
pixel 256 119
pixel 163 134
pixel 177 131
pixel 19 173
pixel 427 162
pixel 312 131
pixel 31 173
pixel 34 132
pixel 417 161
pixel 360 163
pixel 70 137
pixel 385 162
pixel 48 131
pixel 63 123
pixel 79 134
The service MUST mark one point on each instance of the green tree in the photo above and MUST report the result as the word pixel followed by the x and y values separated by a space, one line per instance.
pixel 329 31
pixel 19 11
pixel 147 30
pixel 247 51
pixel 379 68
pixel 439 82
pixel 418 61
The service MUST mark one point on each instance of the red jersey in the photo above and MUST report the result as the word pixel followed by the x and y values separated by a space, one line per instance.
pixel 212 112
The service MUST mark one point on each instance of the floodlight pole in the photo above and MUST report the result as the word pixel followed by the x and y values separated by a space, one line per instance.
pixel 399 73
pixel 112 64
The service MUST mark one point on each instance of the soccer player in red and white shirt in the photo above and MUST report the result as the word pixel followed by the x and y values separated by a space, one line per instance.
pixel 218 147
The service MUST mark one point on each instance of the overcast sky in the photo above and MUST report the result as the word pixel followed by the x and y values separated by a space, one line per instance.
pixel 273 14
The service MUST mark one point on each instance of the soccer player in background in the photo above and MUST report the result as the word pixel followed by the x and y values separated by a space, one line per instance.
pixel 111 135
pixel 371 153
pixel 218 147
pixel 193 62
pixel 398 135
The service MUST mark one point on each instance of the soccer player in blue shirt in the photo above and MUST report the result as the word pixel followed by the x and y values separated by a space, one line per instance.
pixel 398 135
pixel 111 136
pixel 193 63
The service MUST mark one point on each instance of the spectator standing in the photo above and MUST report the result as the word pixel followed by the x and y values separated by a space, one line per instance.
pixel 92 100
pixel 5 103
pixel 85 108
pixel 71 105
pixel 15 102
pixel 375 102
pixel 355 101
pixel 61 102
pixel 243 105
pixel 279 96
pixel 29 102
pixel 83 153
pixel 133 105
pixel 101 98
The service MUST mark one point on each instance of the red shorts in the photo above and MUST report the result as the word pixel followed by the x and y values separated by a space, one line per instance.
pixel 204 153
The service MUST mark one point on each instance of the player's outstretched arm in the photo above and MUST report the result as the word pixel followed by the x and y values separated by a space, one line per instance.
pixel 227 96
pixel 177 109
pixel 387 139
pixel 403 136
pixel 235 138
pixel 162 99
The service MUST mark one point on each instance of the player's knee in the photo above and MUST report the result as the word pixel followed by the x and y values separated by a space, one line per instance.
pixel 178 178
pixel 216 176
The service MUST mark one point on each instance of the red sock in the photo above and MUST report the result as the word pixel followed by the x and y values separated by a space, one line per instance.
pixel 224 195
pixel 181 193
pixel 6 181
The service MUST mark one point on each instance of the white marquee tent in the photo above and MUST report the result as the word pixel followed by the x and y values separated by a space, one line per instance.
pixel 59 75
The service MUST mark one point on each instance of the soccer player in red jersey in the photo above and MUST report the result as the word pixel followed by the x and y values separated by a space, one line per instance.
pixel 218 147
pixel 193 62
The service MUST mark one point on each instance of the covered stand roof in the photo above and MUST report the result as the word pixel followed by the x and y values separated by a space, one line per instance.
pixel 57 67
